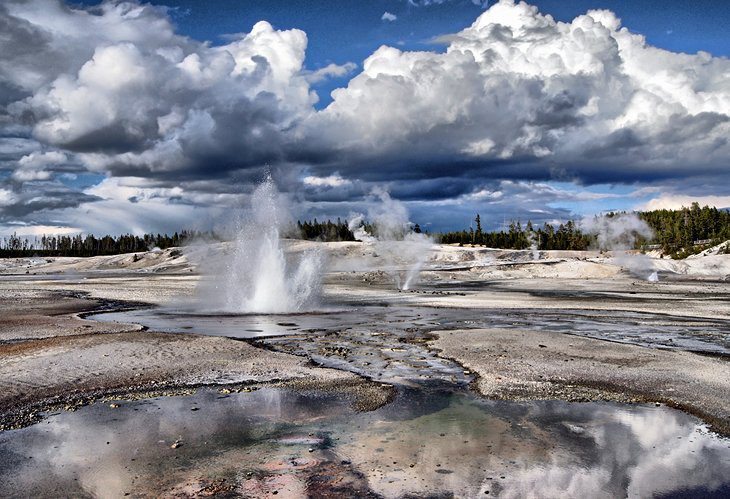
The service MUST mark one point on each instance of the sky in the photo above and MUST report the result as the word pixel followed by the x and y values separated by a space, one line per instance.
pixel 134 117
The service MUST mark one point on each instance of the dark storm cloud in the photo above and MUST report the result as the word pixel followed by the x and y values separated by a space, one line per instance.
pixel 36 197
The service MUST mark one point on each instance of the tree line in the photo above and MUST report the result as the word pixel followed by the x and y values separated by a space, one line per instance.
pixel 90 245
pixel 517 236
pixel 323 231
pixel 338 230
pixel 689 230
pixel 677 233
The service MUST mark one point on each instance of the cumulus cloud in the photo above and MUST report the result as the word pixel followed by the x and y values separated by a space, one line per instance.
pixel 32 166
pixel 43 196
pixel 129 95
pixel 515 97
pixel 387 16
pixel 330 71
pixel 520 95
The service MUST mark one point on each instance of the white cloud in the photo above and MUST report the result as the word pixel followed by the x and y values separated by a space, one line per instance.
pixel 515 86
pixel 38 230
pixel 589 96
pixel 331 71
pixel 7 197
pixel 678 201
pixel 130 204
pixel 484 195
pixel 126 93
pixel 32 166
pixel 387 16
pixel 330 181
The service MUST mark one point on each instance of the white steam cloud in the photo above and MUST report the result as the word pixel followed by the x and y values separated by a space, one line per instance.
pixel 394 241
pixel 619 233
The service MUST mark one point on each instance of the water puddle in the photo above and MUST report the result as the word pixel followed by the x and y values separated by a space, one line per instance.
pixel 427 442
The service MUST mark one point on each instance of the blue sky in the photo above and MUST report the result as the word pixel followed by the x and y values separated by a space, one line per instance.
pixel 119 116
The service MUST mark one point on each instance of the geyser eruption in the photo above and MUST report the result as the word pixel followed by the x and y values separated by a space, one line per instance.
pixel 394 239
pixel 259 277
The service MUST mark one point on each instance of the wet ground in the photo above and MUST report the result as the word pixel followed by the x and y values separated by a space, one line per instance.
pixel 639 328
pixel 430 441
pixel 437 438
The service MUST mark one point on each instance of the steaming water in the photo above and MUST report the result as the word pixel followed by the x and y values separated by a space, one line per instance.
pixel 257 276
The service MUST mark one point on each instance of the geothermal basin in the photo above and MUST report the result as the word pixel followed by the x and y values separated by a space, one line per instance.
pixel 495 376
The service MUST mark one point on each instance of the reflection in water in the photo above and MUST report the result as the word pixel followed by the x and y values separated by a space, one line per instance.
pixel 427 442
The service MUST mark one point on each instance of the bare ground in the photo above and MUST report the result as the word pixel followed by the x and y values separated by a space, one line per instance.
pixel 533 365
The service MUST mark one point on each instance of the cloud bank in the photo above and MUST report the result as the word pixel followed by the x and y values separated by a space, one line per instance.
pixel 516 97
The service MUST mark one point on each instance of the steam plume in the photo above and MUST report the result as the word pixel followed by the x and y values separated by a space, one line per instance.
pixel 394 240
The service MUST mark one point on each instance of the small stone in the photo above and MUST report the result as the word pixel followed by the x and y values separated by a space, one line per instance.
pixel 176 444
pixel 114 406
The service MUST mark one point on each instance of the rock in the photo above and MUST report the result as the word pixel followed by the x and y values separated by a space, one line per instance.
pixel 176 444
